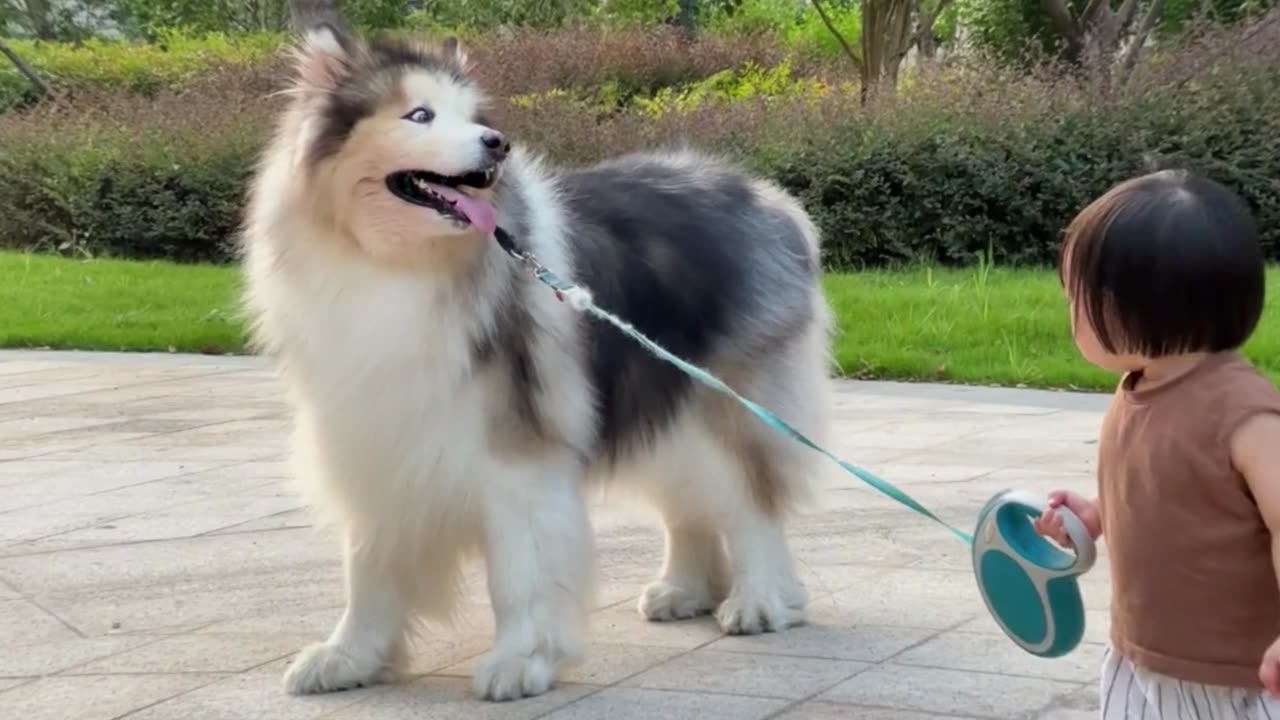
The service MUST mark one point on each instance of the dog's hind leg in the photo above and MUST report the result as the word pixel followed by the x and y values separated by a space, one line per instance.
pixel 751 477
pixel 766 595
pixel 367 645
pixel 539 552
pixel 694 577
pixel 707 483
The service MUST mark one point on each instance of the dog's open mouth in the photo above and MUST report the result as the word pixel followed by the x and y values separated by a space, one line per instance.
pixel 444 195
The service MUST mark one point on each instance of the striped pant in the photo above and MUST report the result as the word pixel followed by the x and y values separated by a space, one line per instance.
pixel 1131 693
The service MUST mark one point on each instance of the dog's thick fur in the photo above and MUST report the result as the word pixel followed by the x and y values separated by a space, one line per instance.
pixel 446 402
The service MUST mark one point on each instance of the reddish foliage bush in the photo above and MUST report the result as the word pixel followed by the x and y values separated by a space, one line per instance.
pixel 637 60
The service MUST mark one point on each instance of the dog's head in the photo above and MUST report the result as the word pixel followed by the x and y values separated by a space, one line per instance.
pixel 393 141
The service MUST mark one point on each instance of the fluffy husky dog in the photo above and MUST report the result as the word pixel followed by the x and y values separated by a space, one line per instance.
pixel 447 403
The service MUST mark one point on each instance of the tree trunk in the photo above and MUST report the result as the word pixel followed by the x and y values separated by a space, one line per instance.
pixel 41 23
pixel 1129 59
pixel 304 14
pixel 1093 41
pixel 42 88
pixel 688 16
pixel 886 40
pixel 925 41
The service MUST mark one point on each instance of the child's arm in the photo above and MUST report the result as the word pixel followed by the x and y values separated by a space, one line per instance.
pixel 1255 453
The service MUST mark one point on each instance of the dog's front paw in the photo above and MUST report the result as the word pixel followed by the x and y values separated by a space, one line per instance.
pixel 662 601
pixel 322 668
pixel 751 613
pixel 506 676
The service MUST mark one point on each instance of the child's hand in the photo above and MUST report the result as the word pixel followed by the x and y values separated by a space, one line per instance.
pixel 1269 670
pixel 1049 523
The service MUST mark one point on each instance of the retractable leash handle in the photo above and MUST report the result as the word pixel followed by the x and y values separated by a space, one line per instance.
pixel 1027 582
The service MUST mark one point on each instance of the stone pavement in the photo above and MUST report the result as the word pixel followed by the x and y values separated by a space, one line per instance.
pixel 156 565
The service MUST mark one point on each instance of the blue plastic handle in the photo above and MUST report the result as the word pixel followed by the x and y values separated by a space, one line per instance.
pixel 1028 583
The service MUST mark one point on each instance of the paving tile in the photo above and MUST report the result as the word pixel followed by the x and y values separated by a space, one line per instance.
pixel 868 643
pixel 904 473
pixel 604 664
pixel 178 607
pixel 91 519
pixel 30 484
pixel 181 521
pixel 988 695
pixel 316 623
pixel 287 520
pixel 24 623
pixel 54 657
pixel 623 624
pixel 93 571
pixel 10 683
pixel 147 501
pixel 28 393
pixel 639 704
pixel 435 653
pixel 904 597
pixel 257 694
pixel 1068 714
pixel 829 711
pixel 1097 625
pixel 829 559
pixel 998 654
pixel 439 698
pixel 1080 705
pixel 198 653
pixel 756 675
pixel 95 697
pixel 46 425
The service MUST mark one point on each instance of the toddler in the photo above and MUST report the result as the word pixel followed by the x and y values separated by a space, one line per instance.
pixel 1165 281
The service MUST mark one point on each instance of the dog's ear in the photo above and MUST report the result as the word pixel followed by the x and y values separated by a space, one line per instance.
pixel 454 53
pixel 324 55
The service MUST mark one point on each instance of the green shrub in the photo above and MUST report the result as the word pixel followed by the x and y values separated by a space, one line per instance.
pixel 964 162
pixel 160 180
pixel 959 174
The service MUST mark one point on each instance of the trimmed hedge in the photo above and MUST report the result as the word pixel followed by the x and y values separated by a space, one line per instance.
pixel 965 162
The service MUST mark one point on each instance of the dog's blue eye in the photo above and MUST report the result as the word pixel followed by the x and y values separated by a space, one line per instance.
pixel 420 115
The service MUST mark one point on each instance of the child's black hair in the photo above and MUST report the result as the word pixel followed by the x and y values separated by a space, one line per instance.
pixel 1166 263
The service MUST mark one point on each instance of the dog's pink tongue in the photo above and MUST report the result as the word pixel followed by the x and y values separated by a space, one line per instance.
pixel 479 212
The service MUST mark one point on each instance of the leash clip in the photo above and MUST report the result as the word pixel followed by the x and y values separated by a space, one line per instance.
pixel 524 257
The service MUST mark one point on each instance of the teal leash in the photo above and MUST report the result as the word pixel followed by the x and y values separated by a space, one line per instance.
pixel 580 299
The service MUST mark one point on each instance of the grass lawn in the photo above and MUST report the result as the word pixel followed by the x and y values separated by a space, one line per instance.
pixel 989 326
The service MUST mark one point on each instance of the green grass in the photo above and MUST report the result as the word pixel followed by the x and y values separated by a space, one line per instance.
pixel 117 305
pixel 983 325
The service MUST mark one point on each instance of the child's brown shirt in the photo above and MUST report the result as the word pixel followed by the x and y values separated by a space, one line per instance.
pixel 1194 590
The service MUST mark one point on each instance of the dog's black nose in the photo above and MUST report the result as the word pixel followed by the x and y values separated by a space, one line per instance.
pixel 497 144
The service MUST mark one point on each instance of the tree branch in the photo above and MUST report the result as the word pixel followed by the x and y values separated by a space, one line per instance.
pixel 1125 14
pixel 925 21
pixel 1063 22
pixel 309 13
pixel 844 44
pixel 1090 14
pixel 42 88
pixel 1131 53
